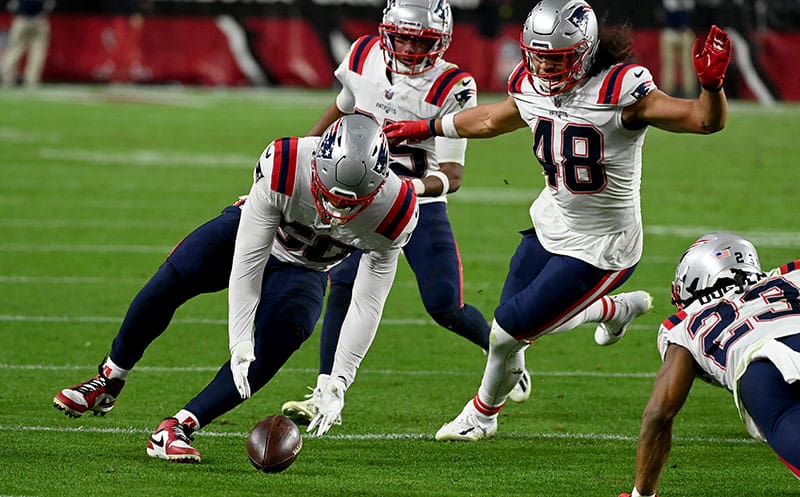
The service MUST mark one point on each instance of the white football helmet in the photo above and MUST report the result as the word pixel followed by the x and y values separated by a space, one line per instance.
pixel 429 22
pixel 349 168
pixel 713 260
pixel 565 34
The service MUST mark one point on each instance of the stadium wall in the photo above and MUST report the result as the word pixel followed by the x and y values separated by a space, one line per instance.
pixel 240 51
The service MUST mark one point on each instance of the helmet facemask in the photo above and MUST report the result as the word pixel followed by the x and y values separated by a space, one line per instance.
pixel 414 34
pixel 714 262
pixel 349 168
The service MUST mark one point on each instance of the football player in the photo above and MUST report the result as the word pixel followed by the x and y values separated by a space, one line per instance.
pixel 314 201
pixel 588 110
pixel 737 328
pixel 401 74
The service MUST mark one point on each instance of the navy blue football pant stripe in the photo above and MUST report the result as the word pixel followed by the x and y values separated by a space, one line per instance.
pixel 200 263
pixel 774 405
pixel 541 286
pixel 433 256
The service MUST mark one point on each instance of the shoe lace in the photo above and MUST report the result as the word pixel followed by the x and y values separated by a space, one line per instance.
pixel 90 386
pixel 183 433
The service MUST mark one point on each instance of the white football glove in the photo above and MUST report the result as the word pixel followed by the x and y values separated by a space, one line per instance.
pixel 330 407
pixel 242 355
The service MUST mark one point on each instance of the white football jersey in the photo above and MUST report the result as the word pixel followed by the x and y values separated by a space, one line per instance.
pixel 590 207
pixel 279 218
pixel 369 88
pixel 727 330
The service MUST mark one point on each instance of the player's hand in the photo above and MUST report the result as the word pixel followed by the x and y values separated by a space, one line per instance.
pixel 624 495
pixel 711 58
pixel 330 407
pixel 409 130
pixel 242 355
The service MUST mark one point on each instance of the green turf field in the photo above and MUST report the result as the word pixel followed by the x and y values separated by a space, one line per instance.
pixel 99 183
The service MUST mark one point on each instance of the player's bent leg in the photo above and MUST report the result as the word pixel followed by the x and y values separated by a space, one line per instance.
pixel 774 406
pixel 621 310
pixel 172 441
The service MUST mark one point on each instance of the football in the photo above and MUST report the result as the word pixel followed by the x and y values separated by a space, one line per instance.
pixel 273 444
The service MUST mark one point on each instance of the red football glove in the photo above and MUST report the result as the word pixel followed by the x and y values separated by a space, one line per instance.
pixel 624 495
pixel 409 130
pixel 711 58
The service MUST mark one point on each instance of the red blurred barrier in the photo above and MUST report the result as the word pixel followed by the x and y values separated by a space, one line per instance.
pixel 287 51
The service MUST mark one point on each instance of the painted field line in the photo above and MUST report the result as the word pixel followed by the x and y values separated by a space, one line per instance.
pixel 383 436
pixel 208 321
pixel 392 372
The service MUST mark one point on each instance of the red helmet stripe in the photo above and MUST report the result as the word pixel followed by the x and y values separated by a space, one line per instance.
pixel 284 165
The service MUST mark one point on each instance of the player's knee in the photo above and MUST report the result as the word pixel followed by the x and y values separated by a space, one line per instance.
pixel 447 319
pixel 501 341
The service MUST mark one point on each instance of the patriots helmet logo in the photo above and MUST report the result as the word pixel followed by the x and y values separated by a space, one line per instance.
pixel 580 18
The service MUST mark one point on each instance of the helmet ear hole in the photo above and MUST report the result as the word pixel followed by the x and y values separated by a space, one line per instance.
pixel 349 168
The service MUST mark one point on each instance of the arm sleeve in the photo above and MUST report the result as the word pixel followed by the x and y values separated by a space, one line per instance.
pixel 464 95
pixel 257 227
pixel 375 276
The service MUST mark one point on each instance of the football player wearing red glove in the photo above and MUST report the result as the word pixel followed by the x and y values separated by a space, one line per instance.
pixel 738 328
pixel 588 109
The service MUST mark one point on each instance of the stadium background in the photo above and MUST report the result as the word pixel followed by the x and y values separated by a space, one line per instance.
pixel 298 43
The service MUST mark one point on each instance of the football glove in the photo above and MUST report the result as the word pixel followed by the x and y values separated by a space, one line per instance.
pixel 711 58
pixel 241 356
pixel 330 407
pixel 409 130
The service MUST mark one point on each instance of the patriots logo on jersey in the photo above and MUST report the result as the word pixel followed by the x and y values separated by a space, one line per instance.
pixel 580 18
pixel 643 90
pixel 388 94
pixel 463 96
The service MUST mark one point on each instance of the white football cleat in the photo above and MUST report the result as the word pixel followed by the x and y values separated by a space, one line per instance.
pixel 522 390
pixel 303 411
pixel 629 305
pixel 469 426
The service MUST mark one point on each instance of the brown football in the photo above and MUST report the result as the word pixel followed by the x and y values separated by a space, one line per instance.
pixel 273 444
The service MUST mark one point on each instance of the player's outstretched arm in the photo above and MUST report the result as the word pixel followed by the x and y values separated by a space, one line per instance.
pixel 670 390
pixel 482 121
pixel 705 114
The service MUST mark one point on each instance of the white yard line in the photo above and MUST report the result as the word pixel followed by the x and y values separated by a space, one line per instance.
pixel 380 436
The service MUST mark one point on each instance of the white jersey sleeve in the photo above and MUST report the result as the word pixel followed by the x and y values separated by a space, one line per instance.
pixel 374 279
pixel 259 222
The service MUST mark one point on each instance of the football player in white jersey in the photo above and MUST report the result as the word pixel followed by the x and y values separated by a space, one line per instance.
pixel 314 201
pixel 588 110
pixel 737 328
pixel 402 75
